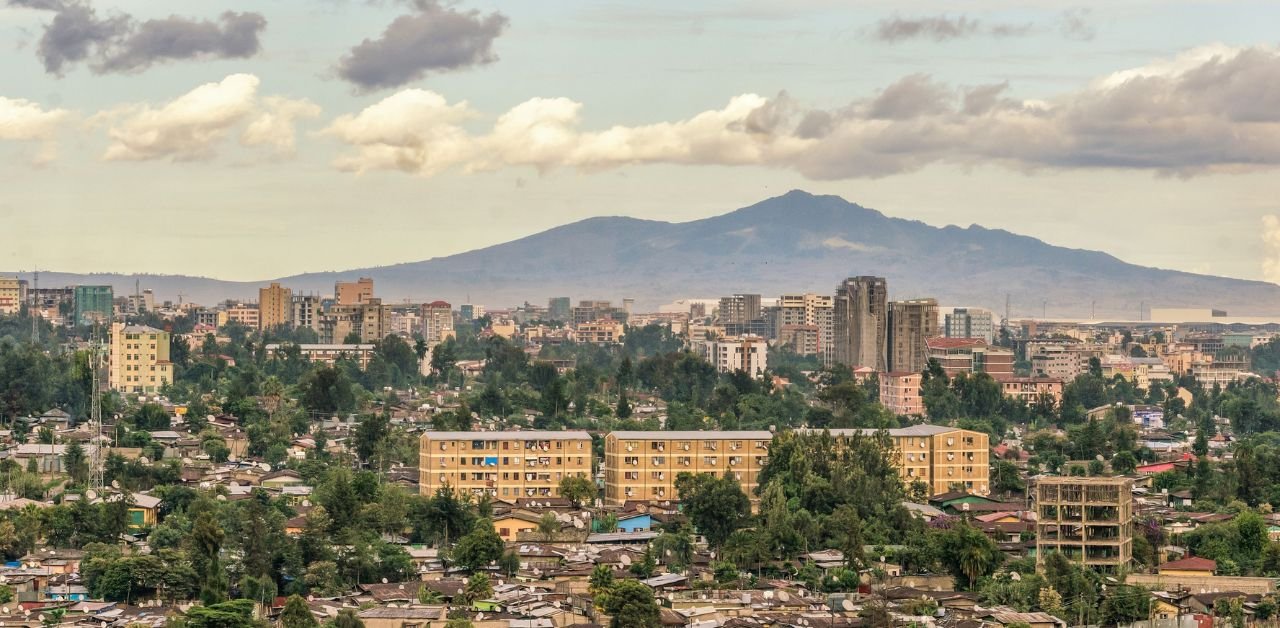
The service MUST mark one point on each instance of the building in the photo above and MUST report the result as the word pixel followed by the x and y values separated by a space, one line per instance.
pixel 969 322
pixel 600 332
pixel 12 295
pixel 739 308
pixel 591 311
pixel 749 354
pixel 370 321
pixel 505 465
pixel 970 355
pixel 275 306
pixel 1089 520
pixel 644 465
pixel 910 323
pixel 140 302
pixel 353 292
pixel 94 304
pixel 437 322
pixel 900 393
pixel 139 359
pixel 243 314
pixel 326 354
pixel 470 311
pixel 860 323
pixel 816 310
pixel 945 458
pixel 801 339
pixel 1029 389
pixel 559 309
pixel 305 312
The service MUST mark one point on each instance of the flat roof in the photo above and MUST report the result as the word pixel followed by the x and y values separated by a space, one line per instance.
pixel 510 435
pixel 914 430
pixel 695 435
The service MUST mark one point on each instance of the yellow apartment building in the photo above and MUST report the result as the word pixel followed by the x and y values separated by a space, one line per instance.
pixel 504 465
pixel 945 458
pixel 275 306
pixel 139 359
pixel 644 465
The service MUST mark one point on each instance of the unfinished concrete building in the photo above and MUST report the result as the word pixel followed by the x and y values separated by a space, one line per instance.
pixel 1089 520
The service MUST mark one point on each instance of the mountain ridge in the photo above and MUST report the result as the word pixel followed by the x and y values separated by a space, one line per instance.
pixel 795 242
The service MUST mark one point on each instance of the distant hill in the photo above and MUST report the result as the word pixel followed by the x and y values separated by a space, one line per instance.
pixel 792 243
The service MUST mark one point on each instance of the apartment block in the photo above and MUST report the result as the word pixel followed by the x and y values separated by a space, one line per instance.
pixel 860 322
pixel 326 354
pixel 371 321
pixel 749 354
pixel 437 322
pixel 246 315
pixel 969 322
pixel 900 393
pixel 559 309
pixel 1089 520
pixel 353 292
pixel 275 306
pixel 802 339
pixel 139 360
pixel 504 465
pixel 1029 389
pixel 600 332
pixel 945 458
pixel 94 304
pixel 12 294
pixel 644 465
pixel 305 312
pixel 910 324
pixel 140 302
pixel 739 308
pixel 970 355
pixel 816 310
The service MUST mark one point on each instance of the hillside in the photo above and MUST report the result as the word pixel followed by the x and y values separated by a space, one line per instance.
pixel 792 243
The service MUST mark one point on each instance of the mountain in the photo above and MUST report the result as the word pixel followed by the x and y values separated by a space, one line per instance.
pixel 796 242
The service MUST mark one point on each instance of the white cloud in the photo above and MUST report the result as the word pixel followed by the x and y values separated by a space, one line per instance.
pixel 1271 248
pixel 1211 109
pixel 26 121
pixel 194 125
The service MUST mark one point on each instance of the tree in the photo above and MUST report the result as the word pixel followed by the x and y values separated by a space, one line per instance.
pixel 77 464
pixel 1125 604
pixel 429 596
pixel 1124 463
pixel 644 567
pixel 548 526
pixel 968 554
pixel 632 605
pixel 206 538
pixel 233 614
pixel 1005 477
pixel 296 614
pixel 478 588
pixel 346 618
pixel 151 417
pixel 600 583
pixel 479 547
pixel 715 505
pixel 325 391
pixel 579 490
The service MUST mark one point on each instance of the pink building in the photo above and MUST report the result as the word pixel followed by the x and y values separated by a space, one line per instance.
pixel 900 393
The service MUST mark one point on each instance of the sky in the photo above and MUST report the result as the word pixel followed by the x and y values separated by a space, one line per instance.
pixel 249 140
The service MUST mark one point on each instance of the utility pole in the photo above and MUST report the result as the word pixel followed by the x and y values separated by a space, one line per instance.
pixel 95 410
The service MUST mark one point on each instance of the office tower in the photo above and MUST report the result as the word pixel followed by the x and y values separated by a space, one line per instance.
pixel 739 308
pixel 860 323
pixel 94 304
pixel 910 323
pixel 969 322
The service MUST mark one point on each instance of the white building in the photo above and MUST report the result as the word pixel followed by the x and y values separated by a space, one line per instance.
pixel 738 353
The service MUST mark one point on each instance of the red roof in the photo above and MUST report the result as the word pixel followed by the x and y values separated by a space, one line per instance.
pixel 1191 563
pixel 954 343
pixel 439 304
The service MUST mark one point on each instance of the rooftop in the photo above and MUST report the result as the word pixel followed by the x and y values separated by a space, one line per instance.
pixel 510 435
pixel 694 435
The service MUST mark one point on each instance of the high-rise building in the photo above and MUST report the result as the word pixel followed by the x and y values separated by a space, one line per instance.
pixel 370 321
pixel 910 323
pixel 94 304
pixel 470 311
pixel 749 354
pixel 969 322
pixel 900 393
pixel 1087 519
pixel 860 323
pixel 505 465
pixel 275 306
pixel 739 308
pixel 139 359
pixel 807 309
pixel 140 302
pixel 353 292
pixel 12 295
pixel 971 355
pixel 437 322
pixel 644 465
pixel 944 458
pixel 560 309
pixel 244 314
pixel 305 312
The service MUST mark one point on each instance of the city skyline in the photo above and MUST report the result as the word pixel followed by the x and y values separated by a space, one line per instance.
pixel 258 127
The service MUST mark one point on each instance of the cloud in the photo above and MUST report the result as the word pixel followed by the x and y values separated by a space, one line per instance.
pixel 1075 24
pixel 1210 110
pixel 433 38
pixel 193 126
pixel 943 28
pixel 25 121
pixel 118 43
pixel 1271 248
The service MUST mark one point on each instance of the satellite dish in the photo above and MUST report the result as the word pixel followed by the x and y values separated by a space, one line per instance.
pixel 783 596
pixel 115 483
pixel 222 498
pixel 626 560
pixel 5 609
pixel 384 581
pixel 1015 576
pixel 264 466
pixel 846 605
pixel 91 494
pixel 40 617
pixel 143 460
